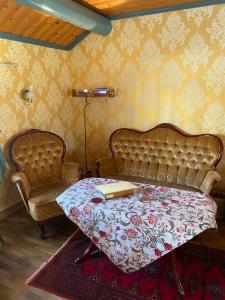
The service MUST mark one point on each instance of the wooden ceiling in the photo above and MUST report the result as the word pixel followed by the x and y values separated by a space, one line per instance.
pixel 17 20
pixel 22 21
pixel 118 7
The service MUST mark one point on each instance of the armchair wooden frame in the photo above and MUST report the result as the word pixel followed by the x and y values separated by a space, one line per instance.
pixel 18 182
pixel 28 132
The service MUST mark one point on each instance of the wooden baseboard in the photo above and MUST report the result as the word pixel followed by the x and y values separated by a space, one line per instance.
pixel 10 210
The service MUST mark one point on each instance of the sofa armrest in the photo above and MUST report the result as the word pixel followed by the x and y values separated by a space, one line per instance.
pixel 106 166
pixel 210 180
pixel 22 183
pixel 71 172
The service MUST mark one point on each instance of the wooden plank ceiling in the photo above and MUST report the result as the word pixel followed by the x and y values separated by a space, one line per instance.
pixel 19 20
pixel 23 21
pixel 118 7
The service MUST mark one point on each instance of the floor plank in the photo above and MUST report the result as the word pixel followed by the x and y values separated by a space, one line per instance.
pixel 23 252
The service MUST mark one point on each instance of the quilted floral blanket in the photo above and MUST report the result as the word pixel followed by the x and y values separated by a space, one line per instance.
pixel 133 233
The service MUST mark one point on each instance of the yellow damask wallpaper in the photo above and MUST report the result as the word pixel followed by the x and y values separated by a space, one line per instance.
pixel 47 70
pixel 166 67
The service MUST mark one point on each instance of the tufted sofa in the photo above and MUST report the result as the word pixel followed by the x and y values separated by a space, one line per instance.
pixel 163 155
pixel 42 173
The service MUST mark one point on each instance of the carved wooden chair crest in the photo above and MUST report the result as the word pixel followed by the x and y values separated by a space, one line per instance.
pixel 41 173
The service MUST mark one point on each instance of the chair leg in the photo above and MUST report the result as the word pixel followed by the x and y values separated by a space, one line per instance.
pixel 176 275
pixel 1 239
pixel 42 228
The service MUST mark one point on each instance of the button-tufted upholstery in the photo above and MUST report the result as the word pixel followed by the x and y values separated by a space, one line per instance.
pixel 163 154
pixel 42 174
pixel 39 157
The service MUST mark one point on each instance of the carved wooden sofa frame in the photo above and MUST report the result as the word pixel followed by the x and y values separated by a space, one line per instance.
pixel 164 155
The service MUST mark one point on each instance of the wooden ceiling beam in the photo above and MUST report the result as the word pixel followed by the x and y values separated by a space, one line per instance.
pixel 73 13
pixel 20 23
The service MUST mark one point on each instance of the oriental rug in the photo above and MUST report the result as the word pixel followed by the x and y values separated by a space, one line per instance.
pixel 201 269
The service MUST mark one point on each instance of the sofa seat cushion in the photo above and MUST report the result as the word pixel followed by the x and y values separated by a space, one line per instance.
pixel 153 182
pixel 42 203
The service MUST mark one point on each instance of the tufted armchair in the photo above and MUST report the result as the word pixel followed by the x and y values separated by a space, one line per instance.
pixel 164 155
pixel 42 173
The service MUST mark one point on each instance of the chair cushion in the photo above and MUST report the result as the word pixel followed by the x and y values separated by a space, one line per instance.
pixel 42 203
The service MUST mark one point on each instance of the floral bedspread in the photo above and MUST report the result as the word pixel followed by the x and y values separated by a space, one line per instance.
pixel 133 233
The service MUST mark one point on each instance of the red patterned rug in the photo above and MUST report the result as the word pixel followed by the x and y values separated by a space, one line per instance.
pixel 202 271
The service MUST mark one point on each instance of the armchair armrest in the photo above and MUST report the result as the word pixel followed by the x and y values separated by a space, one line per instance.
pixel 106 166
pixel 71 172
pixel 23 185
pixel 210 180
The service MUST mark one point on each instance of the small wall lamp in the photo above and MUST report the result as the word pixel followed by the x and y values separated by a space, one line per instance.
pixel 27 95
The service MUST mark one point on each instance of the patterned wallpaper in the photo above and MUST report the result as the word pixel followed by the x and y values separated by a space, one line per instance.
pixel 166 67
pixel 47 70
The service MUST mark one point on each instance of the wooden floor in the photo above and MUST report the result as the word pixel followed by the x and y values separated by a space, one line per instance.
pixel 23 252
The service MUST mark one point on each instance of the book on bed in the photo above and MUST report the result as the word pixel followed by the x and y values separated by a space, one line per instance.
pixel 117 189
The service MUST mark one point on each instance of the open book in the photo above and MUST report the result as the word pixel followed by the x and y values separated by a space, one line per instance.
pixel 117 189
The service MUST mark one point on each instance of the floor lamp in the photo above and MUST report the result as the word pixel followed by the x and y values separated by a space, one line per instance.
pixel 88 173
pixel 2 176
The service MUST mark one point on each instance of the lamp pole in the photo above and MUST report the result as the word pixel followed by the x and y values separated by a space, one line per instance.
pixel 85 135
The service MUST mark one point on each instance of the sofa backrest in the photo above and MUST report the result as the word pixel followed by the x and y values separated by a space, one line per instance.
pixel 39 155
pixel 166 153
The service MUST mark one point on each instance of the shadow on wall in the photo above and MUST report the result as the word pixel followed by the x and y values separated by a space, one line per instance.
pixel 8 192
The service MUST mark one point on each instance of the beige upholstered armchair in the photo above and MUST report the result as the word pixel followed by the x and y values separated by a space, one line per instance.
pixel 42 173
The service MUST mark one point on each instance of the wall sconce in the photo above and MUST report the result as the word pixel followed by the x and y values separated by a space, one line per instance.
pixel 27 95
